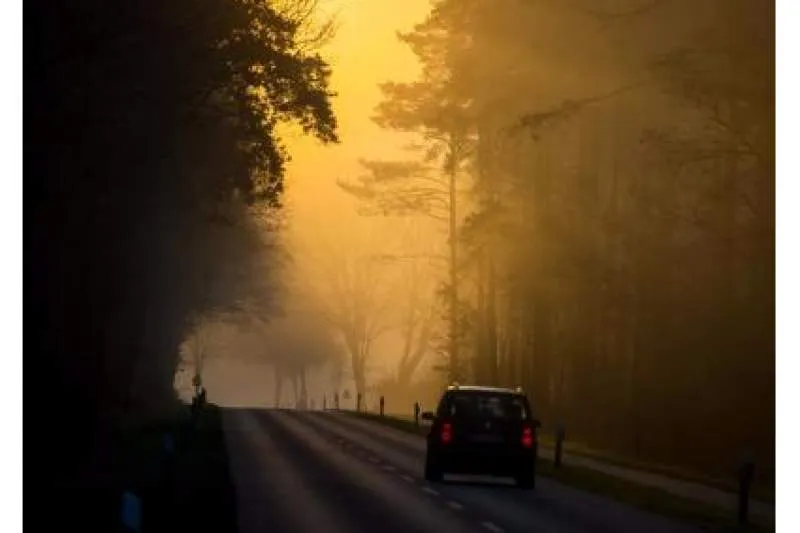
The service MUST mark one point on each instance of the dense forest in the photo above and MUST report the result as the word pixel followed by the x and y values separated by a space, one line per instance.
pixel 605 173
pixel 151 163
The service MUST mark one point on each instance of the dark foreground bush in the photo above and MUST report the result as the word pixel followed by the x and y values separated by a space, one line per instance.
pixel 177 468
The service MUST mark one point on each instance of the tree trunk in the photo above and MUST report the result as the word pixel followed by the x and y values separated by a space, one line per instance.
pixel 491 323
pixel 359 348
pixel 360 380
pixel 303 388
pixel 479 357
pixel 295 387
pixel 408 344
pixel 455 364
pixel 278 385
pixel 409 366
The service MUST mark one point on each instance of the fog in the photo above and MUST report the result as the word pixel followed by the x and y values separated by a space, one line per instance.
pixel 572 196
pixel 611 177
pixel 374 294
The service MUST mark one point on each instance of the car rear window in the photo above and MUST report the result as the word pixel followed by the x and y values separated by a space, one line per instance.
pixel 486 405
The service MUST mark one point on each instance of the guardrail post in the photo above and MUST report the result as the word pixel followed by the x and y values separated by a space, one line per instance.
pixel 381 405
pixel 561 434
pixel 746 475
pixel 416 413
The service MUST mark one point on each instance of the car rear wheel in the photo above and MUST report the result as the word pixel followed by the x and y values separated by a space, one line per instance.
pixel 433 470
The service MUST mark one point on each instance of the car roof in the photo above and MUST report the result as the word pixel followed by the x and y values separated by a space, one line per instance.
pixel 483 388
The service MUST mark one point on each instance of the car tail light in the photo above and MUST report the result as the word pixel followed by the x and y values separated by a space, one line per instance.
pixel 527 437
pixel 447 432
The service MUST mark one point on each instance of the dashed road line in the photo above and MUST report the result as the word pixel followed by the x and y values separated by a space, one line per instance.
pixel 494 528
pixel 364 454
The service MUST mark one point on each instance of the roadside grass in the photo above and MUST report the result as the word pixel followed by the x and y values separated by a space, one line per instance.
pixel 706 517
pixel 402 423
pixel 760 491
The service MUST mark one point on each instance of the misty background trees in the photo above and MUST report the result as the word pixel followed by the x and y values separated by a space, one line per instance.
pixel 607 172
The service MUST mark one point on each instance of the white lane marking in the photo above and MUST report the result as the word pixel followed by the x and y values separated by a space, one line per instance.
pixel 430 491
pixel 407 478
pixel 455 505
pixel 492 527
pixel 388 468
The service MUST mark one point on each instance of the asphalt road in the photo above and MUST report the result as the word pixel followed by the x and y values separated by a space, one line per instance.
pixel 322 471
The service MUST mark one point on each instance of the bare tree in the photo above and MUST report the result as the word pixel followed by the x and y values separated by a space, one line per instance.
pixel 353 289
pixel 420 269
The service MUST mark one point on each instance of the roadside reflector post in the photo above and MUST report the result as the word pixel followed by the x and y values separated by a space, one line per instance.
pixel 131 512
pixel 561 434
pixel 416 413
pixel 747 470
pixel 381 405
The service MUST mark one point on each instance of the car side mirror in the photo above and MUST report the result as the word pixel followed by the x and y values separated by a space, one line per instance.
pixel 427 415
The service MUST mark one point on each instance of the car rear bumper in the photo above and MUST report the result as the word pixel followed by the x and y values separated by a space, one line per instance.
pixel 489 462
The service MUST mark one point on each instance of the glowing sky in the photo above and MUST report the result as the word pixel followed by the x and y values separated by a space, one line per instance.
pixel 364 53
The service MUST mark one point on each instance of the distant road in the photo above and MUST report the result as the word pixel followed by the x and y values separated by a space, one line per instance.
pixel 313 471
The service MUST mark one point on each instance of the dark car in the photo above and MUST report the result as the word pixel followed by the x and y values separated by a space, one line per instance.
pixel 482 431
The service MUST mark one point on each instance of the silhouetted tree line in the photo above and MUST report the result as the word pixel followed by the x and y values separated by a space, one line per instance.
pixel 149 139
pixel 614 173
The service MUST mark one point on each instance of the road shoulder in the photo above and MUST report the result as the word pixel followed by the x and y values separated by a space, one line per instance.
pixel 648 498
